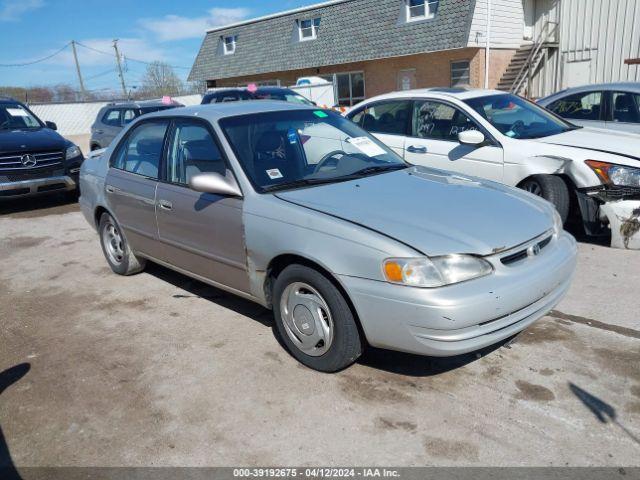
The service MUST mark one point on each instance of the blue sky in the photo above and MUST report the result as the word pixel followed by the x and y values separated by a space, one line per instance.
pixel 166 30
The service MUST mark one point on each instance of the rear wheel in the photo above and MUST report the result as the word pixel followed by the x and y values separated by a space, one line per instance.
pixel 116 249
pixel 314 320
pixel 552 189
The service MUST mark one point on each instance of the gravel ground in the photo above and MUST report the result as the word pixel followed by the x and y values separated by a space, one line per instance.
pixel 159 370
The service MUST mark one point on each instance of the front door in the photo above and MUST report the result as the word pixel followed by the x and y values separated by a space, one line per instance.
pixel 625 112
pixel 202 233
pixel 131 184
pixel 388 120
pixel 434 142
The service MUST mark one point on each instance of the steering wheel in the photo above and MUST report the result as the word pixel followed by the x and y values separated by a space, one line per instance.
pixel 517 126
pixel 327 158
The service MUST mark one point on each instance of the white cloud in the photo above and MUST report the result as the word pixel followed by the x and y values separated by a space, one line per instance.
pixel 175 27
pixel 12 10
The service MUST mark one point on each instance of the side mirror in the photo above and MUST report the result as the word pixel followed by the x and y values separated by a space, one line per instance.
pixel 51 125
pixel 216 184
pixel 471 137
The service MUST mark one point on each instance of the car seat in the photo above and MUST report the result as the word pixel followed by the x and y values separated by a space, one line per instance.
pixel 274 152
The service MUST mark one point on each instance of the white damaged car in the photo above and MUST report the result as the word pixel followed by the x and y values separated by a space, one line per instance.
pixel 591 174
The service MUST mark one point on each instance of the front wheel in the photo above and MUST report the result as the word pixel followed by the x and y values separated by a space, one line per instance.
pixel 552 189
pixel 116 249
pixel 314 320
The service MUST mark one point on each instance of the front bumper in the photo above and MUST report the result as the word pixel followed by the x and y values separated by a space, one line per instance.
pixel 468 316
pixel 38 186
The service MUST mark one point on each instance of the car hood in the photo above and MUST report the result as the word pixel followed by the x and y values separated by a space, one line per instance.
pixel 30 140
pixel 604 141
pixel 432 211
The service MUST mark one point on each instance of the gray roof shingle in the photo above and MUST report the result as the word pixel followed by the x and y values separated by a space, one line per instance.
pixel 350 31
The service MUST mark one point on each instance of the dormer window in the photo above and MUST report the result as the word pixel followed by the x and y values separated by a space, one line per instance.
pixel 309 29
pixel 421 10
pixel 229 45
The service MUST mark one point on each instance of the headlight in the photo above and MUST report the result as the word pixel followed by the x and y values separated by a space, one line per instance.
pixel 558 225
pixel 612 174
pixel 435 272
pixel 72 152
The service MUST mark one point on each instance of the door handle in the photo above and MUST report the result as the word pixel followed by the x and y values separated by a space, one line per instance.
pixel 111 189
pixel 165 205
pixel 99 132
pixel 415 149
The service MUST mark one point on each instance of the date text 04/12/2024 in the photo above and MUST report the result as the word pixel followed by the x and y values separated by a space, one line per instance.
pixel 315 473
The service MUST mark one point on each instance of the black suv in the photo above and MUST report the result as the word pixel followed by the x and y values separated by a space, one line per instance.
pixel 262 93
pixel 34 158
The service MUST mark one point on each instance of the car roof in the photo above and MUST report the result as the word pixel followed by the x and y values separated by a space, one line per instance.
pixel 143 103
pixel 442 93
pixel 244 89
pixel 216 111
pixel 606 87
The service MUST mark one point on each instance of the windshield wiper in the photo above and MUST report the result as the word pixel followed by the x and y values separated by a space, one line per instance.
pixel 303 182
pixel 378 169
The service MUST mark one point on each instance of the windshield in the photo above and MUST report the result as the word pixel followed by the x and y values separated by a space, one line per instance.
pixel 291 97
pixel 16 117
pixel 515 117
pixel 296 148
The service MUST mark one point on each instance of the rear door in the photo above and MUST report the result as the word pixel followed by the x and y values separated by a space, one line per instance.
pixel 586 108
pixel 625 112
pixel 131 184
pixel 433 142
pixel 202 233
pixel 110 127
pixel 388 120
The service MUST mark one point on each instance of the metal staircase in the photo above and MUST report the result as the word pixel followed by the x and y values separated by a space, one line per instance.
pixel 527 60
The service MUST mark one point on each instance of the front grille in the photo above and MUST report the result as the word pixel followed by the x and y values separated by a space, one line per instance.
pixel 31 175
pixel 12 162
pixel 526 252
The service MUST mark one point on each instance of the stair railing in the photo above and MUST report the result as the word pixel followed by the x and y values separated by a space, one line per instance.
pixel 526 72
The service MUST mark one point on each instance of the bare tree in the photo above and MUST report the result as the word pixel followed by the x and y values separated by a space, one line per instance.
pixel 160 79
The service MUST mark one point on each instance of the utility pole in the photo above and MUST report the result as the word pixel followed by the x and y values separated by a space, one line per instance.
pixel 120 74
pixel 75 57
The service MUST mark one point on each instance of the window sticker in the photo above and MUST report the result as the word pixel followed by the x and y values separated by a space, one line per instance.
pixel 320 114
pixel 274 174
pixel 292 135
pixel 17 112
pixel 366 146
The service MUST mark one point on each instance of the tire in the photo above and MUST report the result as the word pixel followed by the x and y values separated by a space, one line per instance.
pixel 552 189
pixel 116 249
pixel 332 341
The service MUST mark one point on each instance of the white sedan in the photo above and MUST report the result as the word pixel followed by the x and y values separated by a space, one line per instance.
pixel 594 174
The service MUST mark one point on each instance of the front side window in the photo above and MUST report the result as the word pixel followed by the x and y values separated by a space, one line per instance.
pixel 192 151
pixel 284 96
pixel 229 45
pixel 113 118
pixel 439 121
pixel 460 74
pixel 350 88
pixel 141 151
pixel 309 29
pixel 388 117
pixel 518 118
pixel 15 116
pixel 580 106
pixel 626 107
pixel 294 149
pixel 421 9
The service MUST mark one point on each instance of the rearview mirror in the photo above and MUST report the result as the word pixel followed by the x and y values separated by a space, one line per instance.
pixel 216 184
pixel 471 137
pixel 51 125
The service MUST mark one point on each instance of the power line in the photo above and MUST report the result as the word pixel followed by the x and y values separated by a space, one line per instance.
pixel 126 57
pixel 25 64
pixel 101 74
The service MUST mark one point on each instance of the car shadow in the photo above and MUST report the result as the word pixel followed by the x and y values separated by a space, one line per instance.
pixel 385 360
pixel 31 207
pixel 7 378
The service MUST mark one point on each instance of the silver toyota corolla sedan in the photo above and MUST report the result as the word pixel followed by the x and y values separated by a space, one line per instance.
pixel 302 211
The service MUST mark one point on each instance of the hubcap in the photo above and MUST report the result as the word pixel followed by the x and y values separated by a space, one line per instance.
pixel 307 319
pixel 113 243
pixel 533 187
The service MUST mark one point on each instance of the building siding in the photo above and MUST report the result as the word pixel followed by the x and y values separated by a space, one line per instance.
pixel 507 24
pixel 351 31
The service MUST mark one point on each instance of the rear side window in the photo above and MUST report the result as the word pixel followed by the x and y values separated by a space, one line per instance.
pixel 141 151
pixel 387 118
pixel 439 121
pixel 128 116
pixel 113 118
pixel 193 151
pixel 581 106
pixel 626 107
